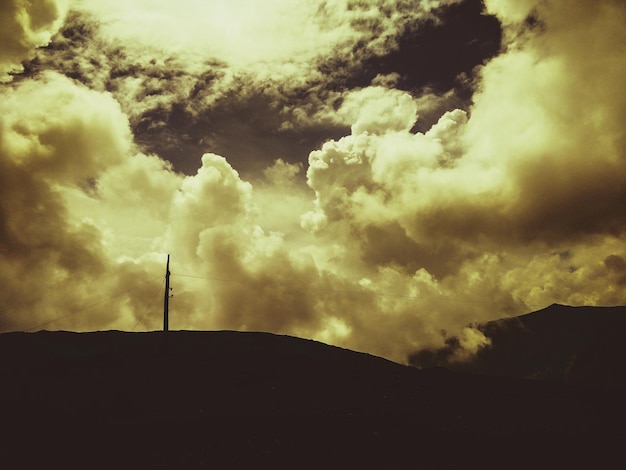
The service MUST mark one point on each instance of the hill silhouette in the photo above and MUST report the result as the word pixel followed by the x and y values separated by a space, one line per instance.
pixel 242 400
pixel 582 345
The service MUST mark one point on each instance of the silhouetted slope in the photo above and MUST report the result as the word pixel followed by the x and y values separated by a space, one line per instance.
pixel 243 400
pixel 575 344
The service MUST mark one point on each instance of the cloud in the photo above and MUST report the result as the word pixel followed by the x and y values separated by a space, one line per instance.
pixel 186 101
pixel 23 27
pixel 396 241
pixel 558 101
pixel 251 278
pixel 458 348
pixel 524 138
pixel 525 175
pixel 57 139
pixel 376 109
pixel 511 12
pixel 244 33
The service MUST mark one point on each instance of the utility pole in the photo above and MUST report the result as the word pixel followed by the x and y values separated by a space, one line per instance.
pixel 166 297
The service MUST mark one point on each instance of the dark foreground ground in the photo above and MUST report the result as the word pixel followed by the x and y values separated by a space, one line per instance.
pixel 256 400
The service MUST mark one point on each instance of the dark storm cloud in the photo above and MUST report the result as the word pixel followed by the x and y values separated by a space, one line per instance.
pixel 434 52
pixel 433 56
pixel 192 129
pixel 179 112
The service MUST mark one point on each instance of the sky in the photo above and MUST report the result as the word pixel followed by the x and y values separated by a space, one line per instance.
pixel 375 174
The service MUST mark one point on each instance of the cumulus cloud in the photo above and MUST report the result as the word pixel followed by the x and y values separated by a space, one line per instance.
pixel 525 138
pixel 24 26
pixel 377 109
pixel 558 103
pixel 525 175
pixel 57 139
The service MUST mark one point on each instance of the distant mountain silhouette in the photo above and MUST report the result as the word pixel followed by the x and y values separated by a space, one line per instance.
pixel 258 400
pixel 583 345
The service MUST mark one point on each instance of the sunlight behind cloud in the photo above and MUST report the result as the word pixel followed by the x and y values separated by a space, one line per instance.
pixel 240 32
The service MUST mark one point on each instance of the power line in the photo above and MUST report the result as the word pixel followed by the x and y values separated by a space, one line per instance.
pixel 148 308
pixel 363 292
pixel 91 305
pixel 345 291
pixel 211 278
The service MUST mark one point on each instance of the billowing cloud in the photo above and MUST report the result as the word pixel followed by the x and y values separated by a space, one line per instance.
pixel 57 140
pixel 372 109
pixel 25 25
pixel 396 241
pixel 525 138
pixel 525 175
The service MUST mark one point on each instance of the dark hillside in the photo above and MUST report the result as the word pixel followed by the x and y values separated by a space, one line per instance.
pixel 581 345
pixel 244 400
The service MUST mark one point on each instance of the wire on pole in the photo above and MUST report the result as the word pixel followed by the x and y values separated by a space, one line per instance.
pixel 90 306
